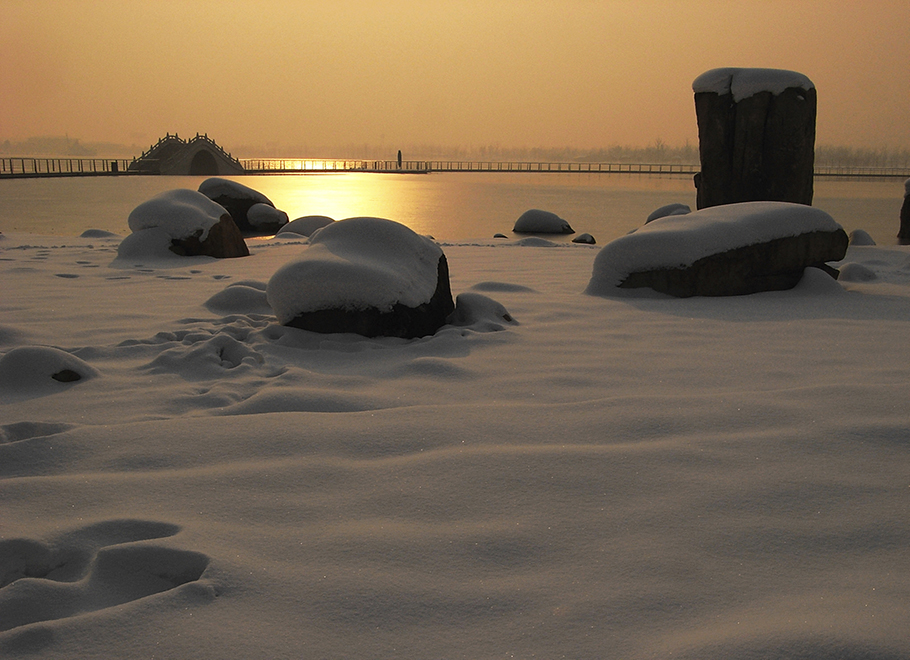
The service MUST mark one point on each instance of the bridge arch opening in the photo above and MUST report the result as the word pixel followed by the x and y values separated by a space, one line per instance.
pixel 203 164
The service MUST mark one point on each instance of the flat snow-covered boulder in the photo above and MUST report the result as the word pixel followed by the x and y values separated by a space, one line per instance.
pixel 237 199
pixel 726 250
pixel 188 223
pixel 306 225
pixel 368 276
pixel 535 221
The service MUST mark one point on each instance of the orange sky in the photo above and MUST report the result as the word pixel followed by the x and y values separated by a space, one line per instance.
pixel 401 72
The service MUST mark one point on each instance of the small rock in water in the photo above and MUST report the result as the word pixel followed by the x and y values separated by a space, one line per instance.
pixel 535 221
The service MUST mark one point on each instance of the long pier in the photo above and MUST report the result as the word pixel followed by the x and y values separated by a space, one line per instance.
pixel 27 167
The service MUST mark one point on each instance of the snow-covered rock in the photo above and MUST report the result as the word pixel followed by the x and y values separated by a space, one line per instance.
pixel 723 250
pixel 535 221
pixel 584 238
pixel 369 276
pixel 860 237
pixel 187 223
pixel 479 312
pixel 237 199
pixel 854 272
pixel 266 219
pixel 306 225
pixel 669 209
pixel 179 213
pixel 246 297
pixel 29 371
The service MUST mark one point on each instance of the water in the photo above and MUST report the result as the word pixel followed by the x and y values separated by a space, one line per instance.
pixel 449 207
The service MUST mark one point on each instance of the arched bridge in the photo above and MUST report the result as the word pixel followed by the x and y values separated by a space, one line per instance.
pixel 197 156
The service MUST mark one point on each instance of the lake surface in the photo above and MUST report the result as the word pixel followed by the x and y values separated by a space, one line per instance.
pixel 447 206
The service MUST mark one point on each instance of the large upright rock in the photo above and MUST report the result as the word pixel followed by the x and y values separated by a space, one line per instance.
pixel 756 136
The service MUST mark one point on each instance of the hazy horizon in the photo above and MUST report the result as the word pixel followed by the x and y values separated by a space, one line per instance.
pixel 464 74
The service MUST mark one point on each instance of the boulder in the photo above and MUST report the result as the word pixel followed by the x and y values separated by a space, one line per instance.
pixel 756 136
pixel 223 241
pixel 729 250
pixel 584 238
pixel 265 219
pixel 860 237
pixel 669 209
pixel 904 234
pixel 535 221
pixel 369 276
pixel 237 199
pixel 193 224
pixel 306 225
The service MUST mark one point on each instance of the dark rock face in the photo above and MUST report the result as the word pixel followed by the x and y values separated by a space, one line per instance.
pixel 761 147
pixel 904 233
pixel 401 321
pixel 223 241
pixel 774 265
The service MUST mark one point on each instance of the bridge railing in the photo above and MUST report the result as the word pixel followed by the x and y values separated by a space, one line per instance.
pixel 62 166
pixel 524 166
pixel 303 165
pixel 33 166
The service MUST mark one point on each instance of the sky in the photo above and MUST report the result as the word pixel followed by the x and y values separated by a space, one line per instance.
pixel 470 73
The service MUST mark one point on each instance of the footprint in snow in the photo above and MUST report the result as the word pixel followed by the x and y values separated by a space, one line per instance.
pixel 90 569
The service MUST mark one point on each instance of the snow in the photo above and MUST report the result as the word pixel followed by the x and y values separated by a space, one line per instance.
pixel 746 82
pixel 542 222
pixel 178 213
pixel 675 241
pixel 358 263
pixel 596 478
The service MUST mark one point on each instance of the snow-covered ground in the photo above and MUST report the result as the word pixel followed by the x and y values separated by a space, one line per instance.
pixel 600 478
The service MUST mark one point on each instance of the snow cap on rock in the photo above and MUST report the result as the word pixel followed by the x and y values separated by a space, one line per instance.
pixel 743 83
pixel 178 213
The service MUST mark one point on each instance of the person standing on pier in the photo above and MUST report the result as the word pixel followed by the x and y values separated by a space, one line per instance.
pixel 399 159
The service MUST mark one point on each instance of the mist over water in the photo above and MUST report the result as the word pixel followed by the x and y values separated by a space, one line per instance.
pixel 447 206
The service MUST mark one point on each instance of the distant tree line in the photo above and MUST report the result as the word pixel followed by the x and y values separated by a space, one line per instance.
pixel 66 147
